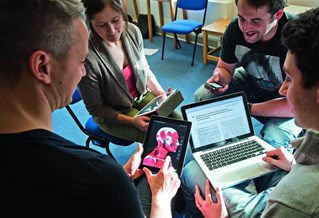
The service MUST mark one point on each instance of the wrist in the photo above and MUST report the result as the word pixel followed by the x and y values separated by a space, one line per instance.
pixel 161 208
pixel 249 104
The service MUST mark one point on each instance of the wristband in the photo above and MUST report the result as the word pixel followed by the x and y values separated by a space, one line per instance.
pixel 249 106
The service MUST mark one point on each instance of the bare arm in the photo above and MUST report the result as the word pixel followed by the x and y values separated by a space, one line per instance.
pixel 154 86
pixel 274 108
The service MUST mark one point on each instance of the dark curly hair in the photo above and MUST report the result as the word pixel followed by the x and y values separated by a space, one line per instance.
pixel 273 5
pixel 301 37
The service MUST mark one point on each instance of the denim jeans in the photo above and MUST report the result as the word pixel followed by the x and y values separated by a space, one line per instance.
pixel 239 201
pixel 276 131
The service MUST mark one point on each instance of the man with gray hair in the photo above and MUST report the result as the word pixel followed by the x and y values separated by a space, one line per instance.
pixel 43 45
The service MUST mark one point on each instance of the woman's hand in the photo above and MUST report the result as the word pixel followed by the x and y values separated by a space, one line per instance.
pixel 141 122
pixel 131 167
pixel 279 157
pixel 207 207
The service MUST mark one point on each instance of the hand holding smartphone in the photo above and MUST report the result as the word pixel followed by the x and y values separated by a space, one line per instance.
pixel 213 86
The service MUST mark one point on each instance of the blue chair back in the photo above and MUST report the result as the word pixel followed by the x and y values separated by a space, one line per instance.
pixel 92 130
pixel 192 4
pixel 76 97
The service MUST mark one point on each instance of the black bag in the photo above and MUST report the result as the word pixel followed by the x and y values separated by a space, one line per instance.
pixel 142 25
pixel 129 18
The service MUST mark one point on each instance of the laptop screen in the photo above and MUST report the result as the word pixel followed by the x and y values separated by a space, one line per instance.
pixel 218 121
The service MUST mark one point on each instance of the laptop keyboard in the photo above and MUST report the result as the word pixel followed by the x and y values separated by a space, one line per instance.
pixel 232 154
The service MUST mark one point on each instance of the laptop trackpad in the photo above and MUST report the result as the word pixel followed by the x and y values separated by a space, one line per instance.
pixel 239 172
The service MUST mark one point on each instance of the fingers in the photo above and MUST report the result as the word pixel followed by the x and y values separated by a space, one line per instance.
pixel 139 149
pixel 148 173
pixel 199 201
pixel 208 195
pixel 167 164
pixel 219 194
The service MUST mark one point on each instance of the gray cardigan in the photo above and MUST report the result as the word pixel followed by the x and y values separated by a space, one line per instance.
pixel 103 89
pixel 297 194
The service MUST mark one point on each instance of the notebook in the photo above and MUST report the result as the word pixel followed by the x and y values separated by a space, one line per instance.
pixel 165 136
pixel 162 105
pixel 220 126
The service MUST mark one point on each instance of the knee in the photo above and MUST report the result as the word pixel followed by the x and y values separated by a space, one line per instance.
pixel 187 179
pixel 202 94
pixel 277 136
pixel 192 175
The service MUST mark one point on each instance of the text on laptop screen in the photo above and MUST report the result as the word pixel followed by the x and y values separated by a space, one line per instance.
pixel 218 122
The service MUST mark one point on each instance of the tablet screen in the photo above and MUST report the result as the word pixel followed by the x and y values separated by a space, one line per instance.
pixel 153 104
pixel 165 136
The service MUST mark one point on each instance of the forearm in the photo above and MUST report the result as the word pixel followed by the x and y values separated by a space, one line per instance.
pixel 227 75
pixel 223 72
pixel 154 86
pixel 124 119
pixel 273 108
pixel 161 209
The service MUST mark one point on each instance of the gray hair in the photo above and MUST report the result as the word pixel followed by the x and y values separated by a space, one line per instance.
pixel 34 25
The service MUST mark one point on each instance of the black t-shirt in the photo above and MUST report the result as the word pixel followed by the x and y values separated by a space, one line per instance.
pixel 263 61
pixel 41 171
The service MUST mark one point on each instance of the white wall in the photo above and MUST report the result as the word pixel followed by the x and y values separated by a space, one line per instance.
pixel 217 9
pixel 308 3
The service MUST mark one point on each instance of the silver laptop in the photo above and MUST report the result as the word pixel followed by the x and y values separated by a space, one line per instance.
pixel 223 140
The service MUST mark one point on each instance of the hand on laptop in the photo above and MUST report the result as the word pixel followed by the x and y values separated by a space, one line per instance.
pixel 279 157
pixel 208 207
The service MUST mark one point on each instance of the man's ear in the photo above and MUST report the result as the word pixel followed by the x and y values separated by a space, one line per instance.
pixel 279 14
pixel 39 65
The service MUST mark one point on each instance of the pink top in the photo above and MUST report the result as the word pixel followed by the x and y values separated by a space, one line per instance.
pixel 130 80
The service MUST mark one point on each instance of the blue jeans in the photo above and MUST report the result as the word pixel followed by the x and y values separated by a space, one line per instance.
pixel 239 201
pixel 276 131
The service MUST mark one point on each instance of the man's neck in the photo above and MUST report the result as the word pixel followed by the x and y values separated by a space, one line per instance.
pixel 22 112
pixel 272 32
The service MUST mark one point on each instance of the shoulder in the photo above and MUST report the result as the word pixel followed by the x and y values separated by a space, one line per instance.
pixel 285 18
pixel 233 28
pixel 133 32
pixel 133 28
pixel 289 16
pixel 297 189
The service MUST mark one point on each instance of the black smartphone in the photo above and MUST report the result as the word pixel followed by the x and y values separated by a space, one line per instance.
pixel 213 85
